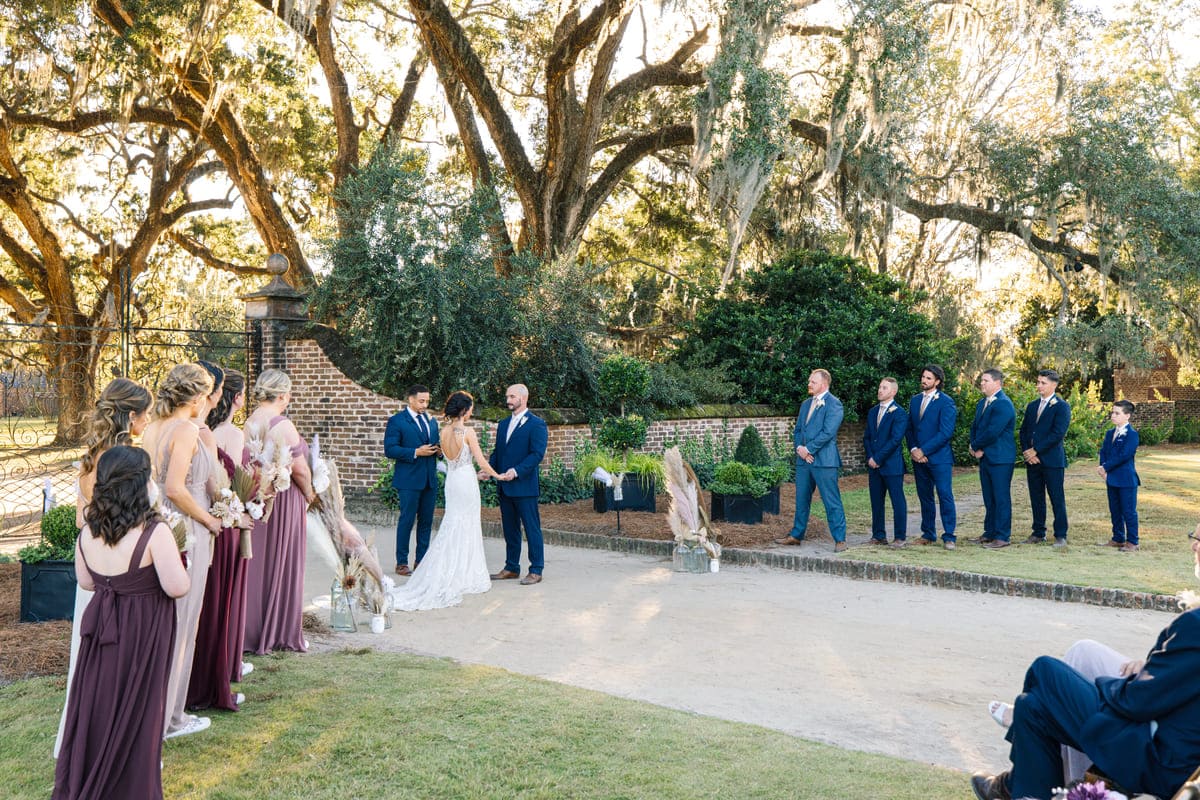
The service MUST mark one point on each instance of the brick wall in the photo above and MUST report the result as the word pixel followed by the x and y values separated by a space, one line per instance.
pixel 351 419
pixel 1160 415
pixel 1145 385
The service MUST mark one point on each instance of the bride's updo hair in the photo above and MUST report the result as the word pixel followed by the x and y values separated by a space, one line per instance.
pixel 457 404
pixel 109 423
pixel 271 385
pixel 183 384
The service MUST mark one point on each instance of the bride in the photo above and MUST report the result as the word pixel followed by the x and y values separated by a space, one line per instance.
pixel 455 564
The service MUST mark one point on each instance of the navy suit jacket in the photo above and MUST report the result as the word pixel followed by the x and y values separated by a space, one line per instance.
pixel 1116 456
pixel 932 432
pixel 523 452
pixel 882 441
pixel 1167 692
pixel 819 434
pixel 1046 435
pixel 992 430
pixel 400 441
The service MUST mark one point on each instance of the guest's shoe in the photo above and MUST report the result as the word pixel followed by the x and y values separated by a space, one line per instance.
pixel 1059 544
pixel 1114 543
pixel 194 725
pixel 898 543
pixel 789 540
pixel 1001 712
pixel 949 545
pixel 402 569
pixel 879 542
pixel 982 540
pixel 239 698
pixel 840 547
pixel 1129 547
pixel 996 544
pixel 530 579
pixel 924 540
pixel 1035 540
pixel 505 575
pixel 247 668
pixel 990 787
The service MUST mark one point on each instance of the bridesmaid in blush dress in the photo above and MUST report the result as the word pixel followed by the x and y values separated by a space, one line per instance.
pixel 112 741
pixel 275 584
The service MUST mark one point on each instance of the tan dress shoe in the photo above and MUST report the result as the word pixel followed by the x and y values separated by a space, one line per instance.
pixel 402 569
pixel 505 575
pixel 530 579
pixel 789 541
pixel 840 547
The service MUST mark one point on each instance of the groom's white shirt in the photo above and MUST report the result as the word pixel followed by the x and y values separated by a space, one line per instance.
pixel 514 422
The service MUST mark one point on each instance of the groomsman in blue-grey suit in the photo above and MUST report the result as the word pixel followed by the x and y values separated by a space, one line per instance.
pixel 520 447
pixel 931 418
pixel 882 436
pixel 411 440
pixel 1042 432
pixel 993 444
pixel 818 461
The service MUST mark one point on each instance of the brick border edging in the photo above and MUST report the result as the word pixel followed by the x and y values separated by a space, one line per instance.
pixel 854 569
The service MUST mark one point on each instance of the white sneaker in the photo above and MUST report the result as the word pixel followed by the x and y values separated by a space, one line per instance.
pixel 306 644
pixel 247 668
pixel 195 725
pixel 239 698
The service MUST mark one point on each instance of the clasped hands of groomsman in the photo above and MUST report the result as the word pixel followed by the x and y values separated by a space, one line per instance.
pixel 927 427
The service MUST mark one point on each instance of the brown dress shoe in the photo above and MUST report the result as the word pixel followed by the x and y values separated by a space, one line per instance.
pixel 923 540
pixel 505 575
pixel 1129 547
pixel 840 547
pixel 981 540
pixel 899 543
pixel 949 545
pixel 402 569
pixel 789 540
pixel 1114 543
pixel 996 544
pixel 530 579
pixel 990 787
pixel 1035 540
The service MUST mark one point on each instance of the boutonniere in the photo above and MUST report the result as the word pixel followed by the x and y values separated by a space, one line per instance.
pixel 818 404
pixel 522 422
pixel 1053 400
pixel 935 396
pixel 890 409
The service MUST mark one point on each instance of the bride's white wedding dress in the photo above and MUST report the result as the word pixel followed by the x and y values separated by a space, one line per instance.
pixel 454 565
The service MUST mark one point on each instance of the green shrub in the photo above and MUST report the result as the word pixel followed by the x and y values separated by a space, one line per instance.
pixel 58 537
pixel 674 386
pixel 734 477
pixel 647 467
pixel 1186 430
pixel 622 433
pixel 559 485
pixel 750 448
pixel 1150 435
pixel 623 379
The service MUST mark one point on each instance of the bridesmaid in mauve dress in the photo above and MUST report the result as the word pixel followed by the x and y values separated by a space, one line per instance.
pixel 275 584
pixel 225 591
pixel 112 741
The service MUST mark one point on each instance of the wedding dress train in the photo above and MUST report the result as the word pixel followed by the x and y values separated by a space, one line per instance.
pixel 455 564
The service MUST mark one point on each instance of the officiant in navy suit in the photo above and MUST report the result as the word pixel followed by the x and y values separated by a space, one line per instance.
pixel 411 441
pixel 520 447
pixel 882 436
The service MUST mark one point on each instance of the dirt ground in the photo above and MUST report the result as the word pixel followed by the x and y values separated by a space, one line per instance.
pixel 28 649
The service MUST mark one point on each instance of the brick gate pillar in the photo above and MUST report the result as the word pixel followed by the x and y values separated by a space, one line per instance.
pixel 270 312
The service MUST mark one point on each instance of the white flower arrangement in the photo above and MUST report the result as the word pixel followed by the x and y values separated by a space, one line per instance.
pixel 228 508
pixel 320 469
pixel 184 540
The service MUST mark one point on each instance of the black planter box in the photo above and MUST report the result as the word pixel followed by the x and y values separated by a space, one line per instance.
pixel 740 508
pixel 634 497
pixel 47 591
pixel 771 501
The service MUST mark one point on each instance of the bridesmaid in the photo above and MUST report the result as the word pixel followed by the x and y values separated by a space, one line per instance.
pixel 182 469
pixel 222 615
pixel 112 744
pixel 122 412
pixel 275 585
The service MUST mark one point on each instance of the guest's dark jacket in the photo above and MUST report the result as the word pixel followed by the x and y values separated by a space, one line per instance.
pixel 1167 692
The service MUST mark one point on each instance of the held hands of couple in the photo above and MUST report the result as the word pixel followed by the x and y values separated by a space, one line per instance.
pixel 508 475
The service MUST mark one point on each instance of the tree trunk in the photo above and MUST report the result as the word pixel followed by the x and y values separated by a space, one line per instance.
pixel 73 374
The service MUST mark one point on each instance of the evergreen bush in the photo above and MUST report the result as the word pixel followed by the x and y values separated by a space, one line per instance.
pixel 751 449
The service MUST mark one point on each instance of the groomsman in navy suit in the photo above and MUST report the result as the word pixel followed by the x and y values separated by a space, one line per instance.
pixel 931 418
pixel 1042 432
pixel 993 444
pixel 818 461
pixel 1119 470
pixel 411 440
pixel 520 447
pixel 886 425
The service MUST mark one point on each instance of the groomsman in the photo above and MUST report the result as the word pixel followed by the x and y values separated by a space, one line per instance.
pixel 886 425
pixel 992 443
pixel 818 461
pixel 1042 432
pixel 931 418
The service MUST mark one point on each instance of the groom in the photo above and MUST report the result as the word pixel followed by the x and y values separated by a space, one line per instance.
pixel 520 448
pixel 412 441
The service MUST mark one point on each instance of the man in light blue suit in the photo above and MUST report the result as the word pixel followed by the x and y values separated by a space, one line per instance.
pixel 882 438
pixel 931 418
pixel 411 440
pixel 993 444
pixel 818 461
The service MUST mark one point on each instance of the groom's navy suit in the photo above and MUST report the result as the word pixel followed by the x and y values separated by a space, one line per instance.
pixel 414 478
pixel 523 451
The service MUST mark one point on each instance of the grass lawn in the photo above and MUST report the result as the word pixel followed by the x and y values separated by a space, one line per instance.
pixel 360 724
pixel 1168 508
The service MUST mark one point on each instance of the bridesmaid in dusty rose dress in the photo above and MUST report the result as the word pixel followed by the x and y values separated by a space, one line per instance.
pixel 225 591
pixel 275 584
pixel 112 742
pixel 182 470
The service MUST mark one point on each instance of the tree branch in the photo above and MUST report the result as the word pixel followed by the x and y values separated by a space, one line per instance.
pixel 201 252
pixel 667 73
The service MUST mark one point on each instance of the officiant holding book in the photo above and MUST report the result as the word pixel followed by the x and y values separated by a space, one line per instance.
pixel 411 441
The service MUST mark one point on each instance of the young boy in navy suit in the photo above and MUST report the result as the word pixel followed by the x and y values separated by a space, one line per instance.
pixel 1120 474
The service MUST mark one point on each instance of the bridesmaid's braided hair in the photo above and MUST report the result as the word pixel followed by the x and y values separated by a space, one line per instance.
pixel 183 384
pixel 109 423
pixel 121 500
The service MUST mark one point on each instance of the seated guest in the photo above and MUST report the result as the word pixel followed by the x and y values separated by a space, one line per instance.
pixel 1141 726
pixel 112 740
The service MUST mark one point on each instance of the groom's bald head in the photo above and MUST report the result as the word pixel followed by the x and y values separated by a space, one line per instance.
pixel 517 397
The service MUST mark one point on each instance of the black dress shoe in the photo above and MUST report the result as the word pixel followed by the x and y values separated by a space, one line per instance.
pixel 990 787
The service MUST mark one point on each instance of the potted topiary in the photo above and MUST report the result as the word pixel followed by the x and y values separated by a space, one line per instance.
pixel 753 452
pixel 738 493
pixel 48 569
